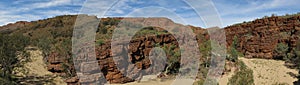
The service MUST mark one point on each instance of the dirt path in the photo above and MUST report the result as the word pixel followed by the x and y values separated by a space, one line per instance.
pixel 268 72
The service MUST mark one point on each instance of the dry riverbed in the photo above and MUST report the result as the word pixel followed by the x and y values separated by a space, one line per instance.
pixel 268 72
pixel 265 72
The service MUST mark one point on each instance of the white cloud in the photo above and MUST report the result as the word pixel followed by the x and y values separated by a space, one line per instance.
pixel 49 4
pixel 96 7
pixel 282 3
pixel 121 7
pixel 25 11
pixel 14 18
pixel 232 13
pixel 52 13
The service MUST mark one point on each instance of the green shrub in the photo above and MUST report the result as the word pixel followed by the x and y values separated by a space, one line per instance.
pixel 205 50
pixel 100 42
pixel 233 55
pixel 281 51
pixel 233 51
pixel 199 82
pixel 111 21
pixel 296 59
pixel 243 77
pixel 9 47
pixel 173 60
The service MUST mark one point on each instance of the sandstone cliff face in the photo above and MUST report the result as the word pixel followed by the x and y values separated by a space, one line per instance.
pixel 138 55
pixel 259 38
pixel 136 61
pixel 256 39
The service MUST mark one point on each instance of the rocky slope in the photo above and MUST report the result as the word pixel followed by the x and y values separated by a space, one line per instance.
pixel 259 38
pixel 256 39
pixel 56 48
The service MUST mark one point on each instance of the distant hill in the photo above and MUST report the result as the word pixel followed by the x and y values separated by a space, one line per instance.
pixel 275 37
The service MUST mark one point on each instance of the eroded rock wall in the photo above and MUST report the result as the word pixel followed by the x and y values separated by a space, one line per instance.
pixel 259 38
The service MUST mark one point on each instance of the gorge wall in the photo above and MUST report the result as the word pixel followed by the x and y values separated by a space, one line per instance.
pixel 256 39
pixel 259 38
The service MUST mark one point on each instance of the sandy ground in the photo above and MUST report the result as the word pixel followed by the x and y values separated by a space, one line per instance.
pixel 268 72
pixel 37 67
pixel 152 80
pixel 225 78
pixel 149 82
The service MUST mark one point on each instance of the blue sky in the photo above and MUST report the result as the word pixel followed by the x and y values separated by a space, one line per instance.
pixel 230 11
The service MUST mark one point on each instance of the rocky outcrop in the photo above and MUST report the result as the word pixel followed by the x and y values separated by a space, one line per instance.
pixel 256 39
pixel 259 38
pixel 55 63
pixel 136 62
pixel 139 50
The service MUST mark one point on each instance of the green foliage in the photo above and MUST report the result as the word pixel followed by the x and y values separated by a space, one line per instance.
pixel 173 60
pixel 233 55
pixel 243 77
pixel 102 29
pixel 44 44
pixel 9 48
pixel 67 69
pixel 281 51
pixel 7 82
pixel 111 21
pixel 205 50
pixel 150 31
pixel 100 42
pixel 199 82
pixel 235 42
pixel 49 35
pixel 208 81
pixel 233 51
pixel 296 59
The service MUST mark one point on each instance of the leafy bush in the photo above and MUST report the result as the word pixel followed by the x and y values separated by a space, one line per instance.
pixel 233 55
pixel 205 50
pixel 111 21
pixel 199 82
pixel 173 60
pixel 9 48
pixel 100 42
pixel 150 31
pixel 281 51
pixel 296 60
pixel 233 51
pixel 243 77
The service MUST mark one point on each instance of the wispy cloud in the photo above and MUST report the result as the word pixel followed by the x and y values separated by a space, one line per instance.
pixel 49 4
pixel 231 12
pixel 24 10
pixel 14 18
pixel 246 10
